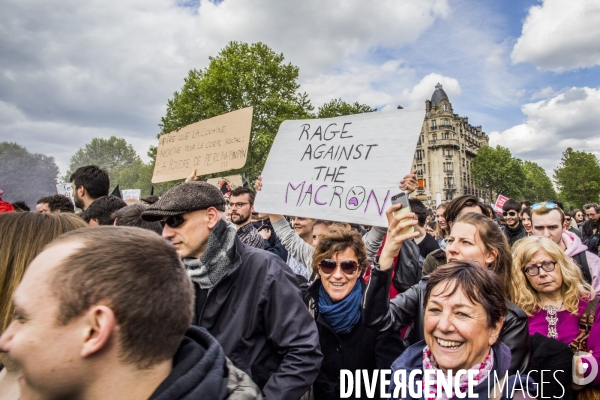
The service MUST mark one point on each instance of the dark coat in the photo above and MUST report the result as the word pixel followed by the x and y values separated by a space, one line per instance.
pixel 257 314
pixel 361 348
pixel 512 235
pixel 407 308
pixel 551 355
pixel 200 370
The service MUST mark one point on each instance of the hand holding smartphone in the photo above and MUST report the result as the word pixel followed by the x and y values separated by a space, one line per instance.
pixel 402 198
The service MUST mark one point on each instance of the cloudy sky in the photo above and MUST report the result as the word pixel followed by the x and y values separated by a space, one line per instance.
pixel 527 71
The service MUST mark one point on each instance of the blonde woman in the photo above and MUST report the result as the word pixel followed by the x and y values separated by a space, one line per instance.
pixel 549 287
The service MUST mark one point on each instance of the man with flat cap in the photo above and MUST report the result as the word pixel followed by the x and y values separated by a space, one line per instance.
pixel 246 298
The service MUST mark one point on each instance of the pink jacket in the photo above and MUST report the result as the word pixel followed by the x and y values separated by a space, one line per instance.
pixel 574 247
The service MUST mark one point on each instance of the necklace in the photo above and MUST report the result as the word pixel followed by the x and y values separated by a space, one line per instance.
pixel 552 319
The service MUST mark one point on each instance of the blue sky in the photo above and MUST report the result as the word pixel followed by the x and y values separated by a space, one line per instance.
pixel 527 71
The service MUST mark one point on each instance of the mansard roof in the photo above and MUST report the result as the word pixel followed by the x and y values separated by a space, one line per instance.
pixel 438 95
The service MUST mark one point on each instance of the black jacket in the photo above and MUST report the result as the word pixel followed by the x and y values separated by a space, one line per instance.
pixel 406 308
pixel 362 348
pixel 257 314
pixel 512 235
pixel 200 371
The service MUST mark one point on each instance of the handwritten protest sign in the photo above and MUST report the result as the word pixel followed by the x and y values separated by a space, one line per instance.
pixel 226 184
pixel 341 169
pixel 131 194
pixel 65 189
pixel 212 145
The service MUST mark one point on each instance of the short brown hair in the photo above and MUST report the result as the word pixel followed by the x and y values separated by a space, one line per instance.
pixel 141 279
pixel 337 239
pixel 456 205
pixel 480 285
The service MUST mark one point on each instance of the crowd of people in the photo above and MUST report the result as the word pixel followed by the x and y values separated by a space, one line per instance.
pixel 194 295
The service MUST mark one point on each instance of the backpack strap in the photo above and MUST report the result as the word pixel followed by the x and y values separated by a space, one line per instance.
pixel 585 325
pixel 581 260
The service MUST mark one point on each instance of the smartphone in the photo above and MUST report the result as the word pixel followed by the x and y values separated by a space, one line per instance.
pixel 402 198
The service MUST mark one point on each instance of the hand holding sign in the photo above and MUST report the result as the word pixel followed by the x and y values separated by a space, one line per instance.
pixel 342 169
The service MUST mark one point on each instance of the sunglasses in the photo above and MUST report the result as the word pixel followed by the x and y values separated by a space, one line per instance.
pixel 548 205
pixel 173 221
pixel 510 213
pixel 534 270
pixel 348 266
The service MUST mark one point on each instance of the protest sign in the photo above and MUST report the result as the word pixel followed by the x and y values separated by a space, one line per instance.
pixel 341 169
pixel 226 184
pixel 212 145
pixel 131 194
pixel 66 190
pixel 500 203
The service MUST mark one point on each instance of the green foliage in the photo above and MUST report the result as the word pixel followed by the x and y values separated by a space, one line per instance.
pixel 578 178
pixel 498 169
pixel 113 154
pixel 241 75
pixel 26 176
pixel 338 107
pixel 538 186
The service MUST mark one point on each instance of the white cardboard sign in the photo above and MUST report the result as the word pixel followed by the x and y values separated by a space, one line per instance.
pixel 131 194
pixel 340 169
pixel 65 189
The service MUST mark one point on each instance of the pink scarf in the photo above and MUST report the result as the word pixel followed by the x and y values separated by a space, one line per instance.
pixel 483 369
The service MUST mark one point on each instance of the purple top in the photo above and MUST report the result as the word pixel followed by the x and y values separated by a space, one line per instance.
pixel 567 328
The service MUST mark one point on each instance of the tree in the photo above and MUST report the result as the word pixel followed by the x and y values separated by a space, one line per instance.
pixel 538 186
pixel 26 176
pixel 338 107
pixel 113 154
pixel 241 75
pixel 498 169
pixel 578 177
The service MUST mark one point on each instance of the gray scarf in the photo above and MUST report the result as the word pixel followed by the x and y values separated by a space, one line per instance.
pixel 217 259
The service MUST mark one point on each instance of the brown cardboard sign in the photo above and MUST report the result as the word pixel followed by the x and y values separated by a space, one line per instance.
pixel 212 145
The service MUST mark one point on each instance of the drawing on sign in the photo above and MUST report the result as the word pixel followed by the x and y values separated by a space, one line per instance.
pixel 332 168
pixel 226 184
pixel 213 145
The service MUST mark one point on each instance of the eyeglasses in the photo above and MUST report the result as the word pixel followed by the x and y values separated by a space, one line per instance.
pixel 348 266
pixel 237 205
pixel 173 221
pixel 548 205
pixel 534 270
pixel 510 213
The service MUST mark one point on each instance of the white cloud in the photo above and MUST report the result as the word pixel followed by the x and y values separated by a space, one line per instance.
pixel 560 35
pixel 71 70
pixel 569 119
pixel 424 89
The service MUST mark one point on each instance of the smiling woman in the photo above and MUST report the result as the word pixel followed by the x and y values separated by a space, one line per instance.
pixel 339 260
pixel 463 317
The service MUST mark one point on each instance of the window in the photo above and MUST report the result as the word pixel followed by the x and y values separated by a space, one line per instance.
pixel 422 184
pixel 433 124
pixel 419 155
pixel 448 153
pixel 434 137
pixel 448 166
pixel 445 107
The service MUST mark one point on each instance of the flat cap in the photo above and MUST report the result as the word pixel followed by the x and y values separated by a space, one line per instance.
pixel 184 198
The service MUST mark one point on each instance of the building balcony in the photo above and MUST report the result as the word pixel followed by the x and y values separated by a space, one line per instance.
pixel 471 151
pixel 447 155
pixel 449 187
pixel 449 172
pixel 444 143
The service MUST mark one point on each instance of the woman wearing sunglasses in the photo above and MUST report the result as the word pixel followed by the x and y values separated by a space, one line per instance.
pixel 549 287
pixel 339 260
pixel 473 237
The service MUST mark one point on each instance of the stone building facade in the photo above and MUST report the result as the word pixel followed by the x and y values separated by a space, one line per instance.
pixel 445 152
